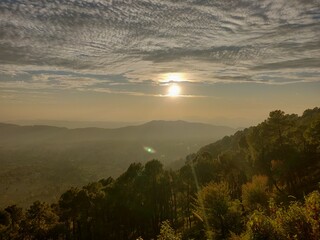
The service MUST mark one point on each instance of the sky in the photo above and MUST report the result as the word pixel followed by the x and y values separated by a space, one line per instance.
pixel 115 60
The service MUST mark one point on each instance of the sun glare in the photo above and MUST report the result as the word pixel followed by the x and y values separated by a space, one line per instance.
pixel 172 77
pixel 174 90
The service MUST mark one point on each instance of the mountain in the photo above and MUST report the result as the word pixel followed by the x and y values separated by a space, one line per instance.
pixel 175 130
pixel 155 130
pixel 75 124
pixel 268 174
pixel 40 162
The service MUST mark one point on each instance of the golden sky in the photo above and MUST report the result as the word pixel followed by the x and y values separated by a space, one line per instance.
pixel 233 61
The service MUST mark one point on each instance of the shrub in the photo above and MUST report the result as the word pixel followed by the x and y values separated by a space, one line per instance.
pixel 218 212
pixel 293 223
pixel 167 233
pixel 254 194
pixel 312 205
pixel 261 227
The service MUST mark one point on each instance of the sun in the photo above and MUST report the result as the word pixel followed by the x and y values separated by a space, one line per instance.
pixel 174 90
pixel 172 77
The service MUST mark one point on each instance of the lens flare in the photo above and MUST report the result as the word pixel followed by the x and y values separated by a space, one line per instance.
pixel 149 150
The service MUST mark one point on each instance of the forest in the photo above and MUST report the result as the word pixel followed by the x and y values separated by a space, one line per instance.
pixel 40 162
pixel 260 183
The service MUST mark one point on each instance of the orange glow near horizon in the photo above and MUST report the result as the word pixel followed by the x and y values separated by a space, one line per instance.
pixel 172 77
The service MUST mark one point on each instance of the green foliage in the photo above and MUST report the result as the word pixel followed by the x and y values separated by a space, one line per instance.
pixel 16 217
pixel 312 133
pixel 312 204
pixel 297 221
pixel 208 198
pixel 293 222
pixel 255 193
pixel 40 221
pixel 282 149
pixel 41 163
pixel 5 221
pixel 260 227
pixel 218 213
pixel 167 233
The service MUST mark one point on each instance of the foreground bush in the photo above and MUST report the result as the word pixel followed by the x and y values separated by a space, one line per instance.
pixel 298 222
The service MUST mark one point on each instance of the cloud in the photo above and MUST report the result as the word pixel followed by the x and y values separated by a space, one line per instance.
pixel 123 44
pixel 297 63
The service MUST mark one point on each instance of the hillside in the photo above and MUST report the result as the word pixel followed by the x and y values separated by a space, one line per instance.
pixel 260 183
pixel 40 162
pixel 155 130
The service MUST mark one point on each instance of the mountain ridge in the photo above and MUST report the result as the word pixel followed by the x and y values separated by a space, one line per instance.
pixel 42 161
pixel 156 129
pixel 152 122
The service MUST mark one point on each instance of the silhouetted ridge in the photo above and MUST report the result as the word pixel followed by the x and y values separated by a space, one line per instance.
pixel 156 130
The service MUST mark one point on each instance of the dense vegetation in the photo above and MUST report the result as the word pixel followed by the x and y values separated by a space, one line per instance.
pixel 261 183
pixel 42 162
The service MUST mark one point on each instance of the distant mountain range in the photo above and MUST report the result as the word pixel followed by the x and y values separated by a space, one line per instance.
pixel 154 130
pixel 75 124
pixel 40 162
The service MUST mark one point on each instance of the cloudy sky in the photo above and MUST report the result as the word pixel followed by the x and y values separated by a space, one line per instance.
pixel 114 60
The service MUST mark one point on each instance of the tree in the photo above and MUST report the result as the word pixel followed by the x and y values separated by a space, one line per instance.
pixel 261 227
pixel 167 233
pixel 5 222
pixel 40 221
pixel 218 213
pixel 69 212
pixel 16 216
pixel 312 133
pixel 255 194
pixel 312 208
pixel 187 193
pixel 157 194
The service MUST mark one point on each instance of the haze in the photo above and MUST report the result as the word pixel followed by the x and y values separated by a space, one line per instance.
pixel 110 60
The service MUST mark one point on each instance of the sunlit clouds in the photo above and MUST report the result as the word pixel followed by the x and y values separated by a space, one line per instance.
pixel 217 41
pixel 117 50
pixel 172 77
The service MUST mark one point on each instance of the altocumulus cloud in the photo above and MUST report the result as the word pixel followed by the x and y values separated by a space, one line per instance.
pixel 121 46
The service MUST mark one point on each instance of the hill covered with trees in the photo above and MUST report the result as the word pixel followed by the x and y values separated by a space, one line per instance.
pixel 260 183
pixel 41 162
